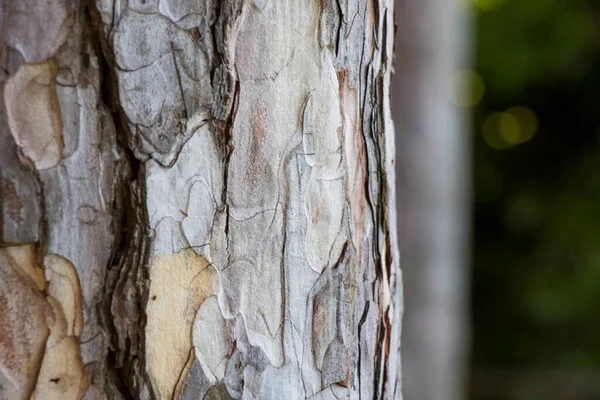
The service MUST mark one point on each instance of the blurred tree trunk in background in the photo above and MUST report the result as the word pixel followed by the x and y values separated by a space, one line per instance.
pixel 432 188
pixel 197 200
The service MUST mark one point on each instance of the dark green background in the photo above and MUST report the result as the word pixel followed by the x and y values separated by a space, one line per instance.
pixel 536 238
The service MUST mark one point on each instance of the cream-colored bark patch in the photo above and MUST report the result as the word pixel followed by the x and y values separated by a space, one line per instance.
pixel 63 285
pixel 212 339
pixel 33 113
pixel 324 201
pixel 24 259
pixel 62 374
pixel 179 283
pixel 39 347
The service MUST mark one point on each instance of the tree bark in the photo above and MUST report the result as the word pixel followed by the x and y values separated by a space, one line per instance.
pixel 197 200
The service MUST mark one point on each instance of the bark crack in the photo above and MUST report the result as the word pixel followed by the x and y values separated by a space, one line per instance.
pixel 122 306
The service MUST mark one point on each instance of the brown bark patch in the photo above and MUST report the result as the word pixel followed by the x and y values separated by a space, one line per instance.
pixel 257 162
pixel 356 158
pixel 11 200
pixel 23 329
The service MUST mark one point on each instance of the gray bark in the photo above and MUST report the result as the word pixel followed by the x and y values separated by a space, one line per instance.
pixel 197 200
pixel 433 170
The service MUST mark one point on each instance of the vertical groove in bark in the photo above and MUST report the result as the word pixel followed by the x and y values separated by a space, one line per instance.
pixel 223 195
pixel 125 292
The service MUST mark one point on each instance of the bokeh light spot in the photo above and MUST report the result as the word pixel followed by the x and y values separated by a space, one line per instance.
pixel 487 5
pixel 502 130
pixel 492 128
pixel 509 128
pixel 527 120
pixel 466 88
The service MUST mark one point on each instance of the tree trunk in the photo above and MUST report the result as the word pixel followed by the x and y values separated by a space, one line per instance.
pixel 197 200
pixel 433 195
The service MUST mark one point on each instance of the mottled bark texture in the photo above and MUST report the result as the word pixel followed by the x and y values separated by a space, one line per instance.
pixel 197 200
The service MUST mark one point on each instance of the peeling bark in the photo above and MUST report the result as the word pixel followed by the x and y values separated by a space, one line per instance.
pixel 197 200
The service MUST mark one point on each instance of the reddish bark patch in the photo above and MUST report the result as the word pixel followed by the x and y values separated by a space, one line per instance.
pixel 196 34
pixel 23 329
pixel 356 157
pixel 11 200
pixel 257 162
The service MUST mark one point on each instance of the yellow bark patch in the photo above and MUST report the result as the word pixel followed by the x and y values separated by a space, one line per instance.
pixel 63 285
pixel 179 283
pixel 39 347
pixel 62 374
pixel 33 113
pixel 24 260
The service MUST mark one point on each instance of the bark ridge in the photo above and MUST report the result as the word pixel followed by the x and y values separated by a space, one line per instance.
pixel 197 200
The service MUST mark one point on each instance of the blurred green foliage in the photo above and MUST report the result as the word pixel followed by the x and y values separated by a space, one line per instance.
pixel 526 42
pixel 536 257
